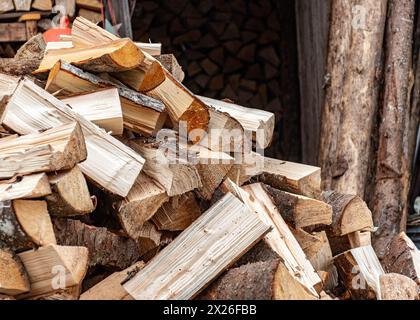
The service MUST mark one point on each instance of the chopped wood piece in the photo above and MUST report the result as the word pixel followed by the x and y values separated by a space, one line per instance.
pixel 95 5
pixel 8 85
pixel 54 269
pixel 141 113
pixel 18 67
pixel 22 5
pixel 31 28
pixel 178 213
pixel 116 56
pixel 350 213
pixel 176 175
pixel 102 107
pixel 197 246
pixel 110 164
pixel 395 286
pixel 280 239
pixel 266 280
pixel 154 49
pixel 94 17
pixel 6 5
pixel 25 224
pixel 55 149
pixel 300 211
pixel 148 240
pixel 359 239
pixel 33 49
pixel 150 77
pixel 292 177
pixel 43 5
pixel 105 248
pixel 225 134
pixel 360 271
pixel 26 187
pixel 318 251
pixel 30 17
pixel 70 195
pixel 259 122
pixel 212 167
pixel 110 288
pixel 403 257
pixel 141 203
pixel 170 63
pixel 13 276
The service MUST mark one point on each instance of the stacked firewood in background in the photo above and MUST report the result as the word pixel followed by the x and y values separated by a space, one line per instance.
pixel 241 50
pixel 117 182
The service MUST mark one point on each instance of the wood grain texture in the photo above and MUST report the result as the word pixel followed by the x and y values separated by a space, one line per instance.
pixel 26 187
pixel 201 253
pixel 55 149
pixel 103 149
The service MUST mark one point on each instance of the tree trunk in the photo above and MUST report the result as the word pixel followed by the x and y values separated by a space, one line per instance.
pixel 391 192
pixel 355 47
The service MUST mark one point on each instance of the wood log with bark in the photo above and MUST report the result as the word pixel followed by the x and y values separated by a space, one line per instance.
pixel 354 55
pixel 14 279
pixel 25 224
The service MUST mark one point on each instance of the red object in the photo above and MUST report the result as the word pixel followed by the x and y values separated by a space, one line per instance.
pixel 53 34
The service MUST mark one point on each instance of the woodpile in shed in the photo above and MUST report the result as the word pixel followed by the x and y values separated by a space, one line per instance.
pixel 117 182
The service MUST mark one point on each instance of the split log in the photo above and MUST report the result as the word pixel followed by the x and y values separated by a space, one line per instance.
pixel 25 224
pixel 14 279
pixel 228 212
pixel 360 271
pixel 350 213
pixel 70 195
pixel 391 185
pixel 170 63
pixel 55 149
pixel 267 280
pixel 92 16
pixel 359 239
pixel 280 239
pixel 26 187
pixel 176 174
pixel 225 134
pixel 22 5
pixel 110 164
pixel 395 286
pixel 111 287
pixel 141 114
pixel 300 211
pixel 34 49
pixel 151 78
pixel 177 214
pixel 105 248
pixel 102 107
pixel 212 167
pixel 154 49
pixel 403 257
pixel 8 85
pixel 259 122
pixel 95 5
pixel 141 203
pixel 148 240
pixel 116 56
pixel 54 269
pixel 318 251
pixel 18 67
pixel 355 49
pixel 6 5
pixel 42 5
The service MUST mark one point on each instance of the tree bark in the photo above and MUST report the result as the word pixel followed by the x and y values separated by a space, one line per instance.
pixel 355 46
pixel 390 197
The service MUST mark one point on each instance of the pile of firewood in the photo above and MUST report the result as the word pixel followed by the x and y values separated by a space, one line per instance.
pixel 116 182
